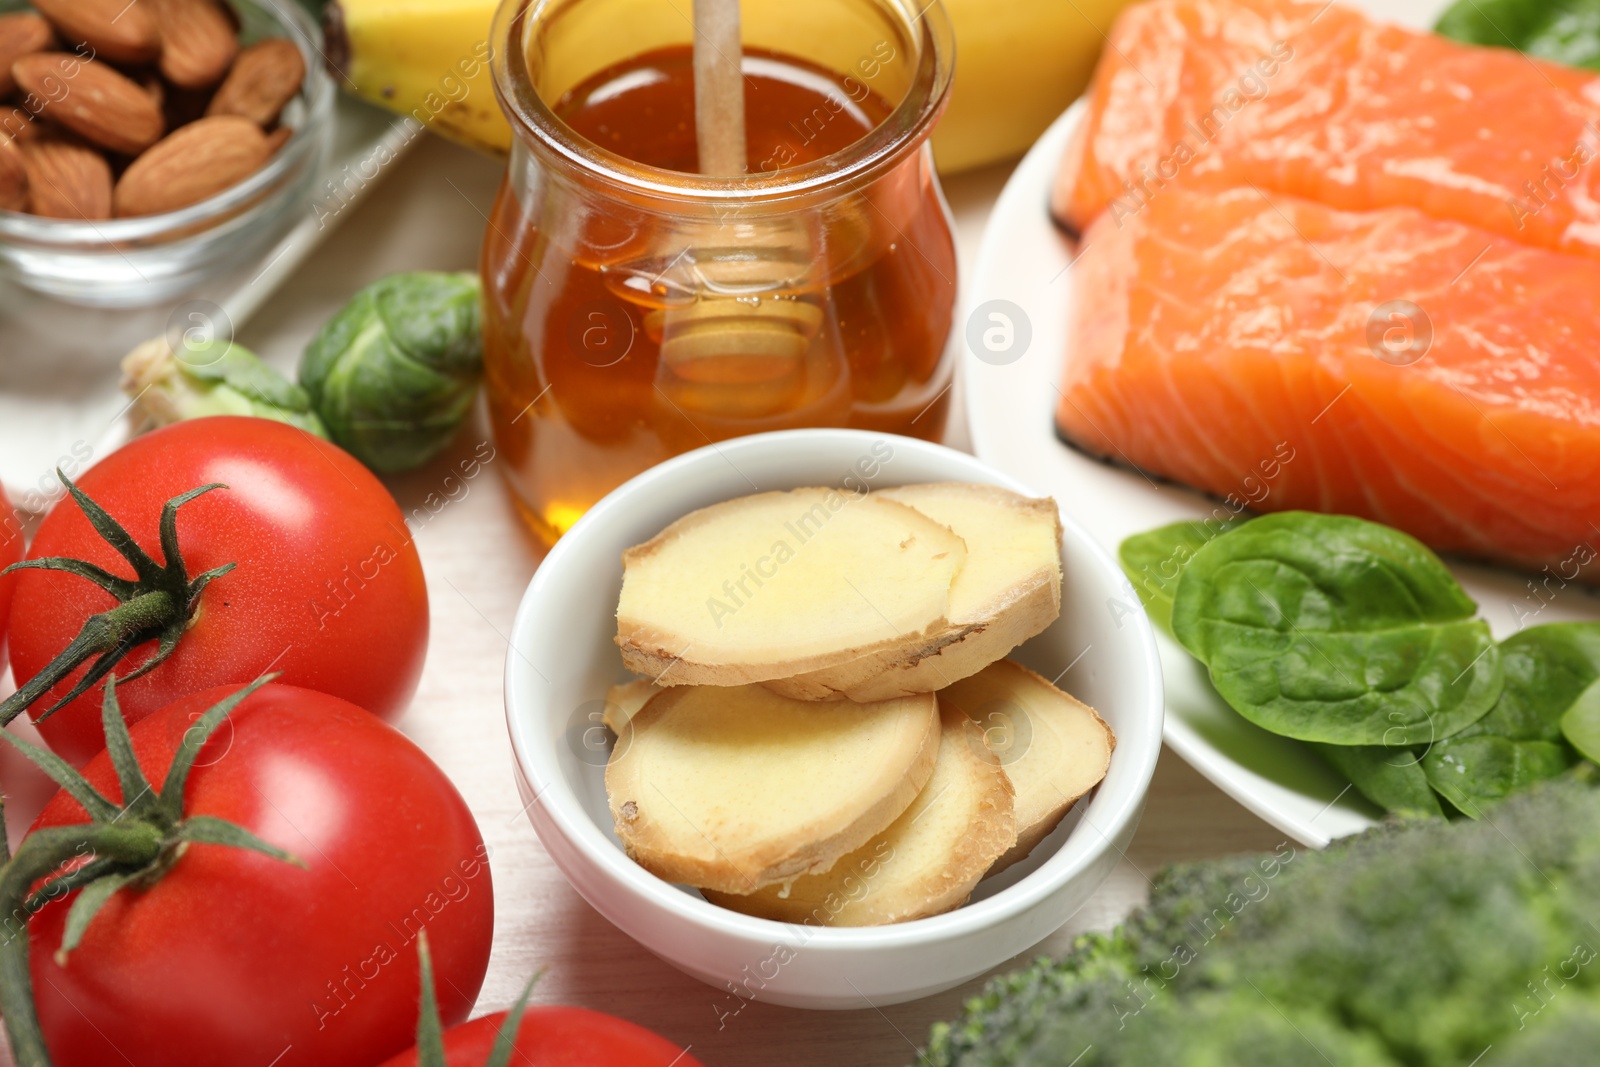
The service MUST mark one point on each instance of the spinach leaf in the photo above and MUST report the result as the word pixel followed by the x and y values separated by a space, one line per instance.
pixel 1548 669
pixel 1581 724
pixel 1330 628
pixel 1391 778
pixel 1563 31
pixel 1154 561
pixel 1470 772
pixel 1553 680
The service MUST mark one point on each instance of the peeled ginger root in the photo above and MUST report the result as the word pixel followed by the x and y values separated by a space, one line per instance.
pixel 1052 745
pixel 1008 591
pixel 926 863
pixel 624 700
pixel 780 583
pixel 738 788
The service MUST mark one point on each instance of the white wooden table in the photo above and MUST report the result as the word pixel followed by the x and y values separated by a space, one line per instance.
pixel 429 214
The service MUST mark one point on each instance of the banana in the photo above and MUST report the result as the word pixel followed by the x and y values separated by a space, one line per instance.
pixel 1019 64
pixel 425 58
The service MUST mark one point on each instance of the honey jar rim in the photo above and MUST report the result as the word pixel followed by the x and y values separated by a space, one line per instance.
pixel 904 131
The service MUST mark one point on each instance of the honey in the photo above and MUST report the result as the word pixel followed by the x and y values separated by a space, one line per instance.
pixel 627 324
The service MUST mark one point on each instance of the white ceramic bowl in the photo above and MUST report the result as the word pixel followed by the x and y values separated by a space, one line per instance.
pixel 563 658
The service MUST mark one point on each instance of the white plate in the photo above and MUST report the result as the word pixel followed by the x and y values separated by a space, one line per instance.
pixel 1026 261
pixel 59 400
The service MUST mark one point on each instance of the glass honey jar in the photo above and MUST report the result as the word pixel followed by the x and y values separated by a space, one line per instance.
pixel 636 309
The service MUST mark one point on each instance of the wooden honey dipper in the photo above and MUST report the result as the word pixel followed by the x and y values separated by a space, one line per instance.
pixel 735 332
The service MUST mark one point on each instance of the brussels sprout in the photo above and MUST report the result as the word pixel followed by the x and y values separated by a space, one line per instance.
pixel 212 378
pixel 394 374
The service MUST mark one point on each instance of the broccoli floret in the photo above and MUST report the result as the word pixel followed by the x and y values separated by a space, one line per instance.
pixel 1567 1034
pixel 1107 975
pixel 1232 1028
pixel 1418 943
pixel 1003 1021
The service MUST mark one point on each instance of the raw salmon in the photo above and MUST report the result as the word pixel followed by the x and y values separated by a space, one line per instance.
pixel 1228 341
pixel 1314 100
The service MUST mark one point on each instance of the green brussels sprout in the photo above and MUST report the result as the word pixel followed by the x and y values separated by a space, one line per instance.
pixel 212 378
pixel 394 374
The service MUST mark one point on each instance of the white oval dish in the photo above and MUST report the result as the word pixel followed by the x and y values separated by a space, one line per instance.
pixel 563 658
pixel 1026 262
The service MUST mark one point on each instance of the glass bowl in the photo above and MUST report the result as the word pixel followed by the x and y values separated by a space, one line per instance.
pixel 141 261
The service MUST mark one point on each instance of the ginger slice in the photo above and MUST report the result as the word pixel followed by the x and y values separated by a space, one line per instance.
pixel 778 584
pixel 624 700
pixel 737 788
pixel 1054 747
pixel 926 863
pixel 1008 591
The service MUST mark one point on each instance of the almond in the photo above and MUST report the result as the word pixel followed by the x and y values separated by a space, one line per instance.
pixel 20 35
pixel 13 179
pixel 67 179
pixel 91 100
pixel 198 42
pixel 278 138
pixel 191 164
pixel 264 78
pixel 16 124
pixel 117 30
pixel 156 90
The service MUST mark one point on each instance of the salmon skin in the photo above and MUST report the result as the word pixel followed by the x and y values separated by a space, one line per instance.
pixel 1422 373
pixel 1314 100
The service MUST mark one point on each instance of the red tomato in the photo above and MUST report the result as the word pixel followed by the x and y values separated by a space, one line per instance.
pixel 328 588
pixel 11 549
pixel 559 1037
pixel 235 958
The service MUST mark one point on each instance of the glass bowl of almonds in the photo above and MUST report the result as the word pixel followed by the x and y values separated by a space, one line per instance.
pixel 147 146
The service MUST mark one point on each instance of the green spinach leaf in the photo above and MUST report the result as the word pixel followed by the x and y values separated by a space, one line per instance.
pixel 1154 561
pixel 1391 778
pixel 1548 669
pixel 1563 31
pixel 1581 724
pixel 1471 772
pixel 1334 629
pixel 1553 685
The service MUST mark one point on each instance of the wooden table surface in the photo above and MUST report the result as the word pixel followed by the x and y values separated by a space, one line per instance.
pixel 428 214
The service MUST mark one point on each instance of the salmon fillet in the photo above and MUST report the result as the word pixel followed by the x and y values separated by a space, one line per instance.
pixel 1316 101
pixel 1223 340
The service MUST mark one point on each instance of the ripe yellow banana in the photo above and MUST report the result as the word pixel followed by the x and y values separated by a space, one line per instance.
pixel 425 58
pixel 1019 64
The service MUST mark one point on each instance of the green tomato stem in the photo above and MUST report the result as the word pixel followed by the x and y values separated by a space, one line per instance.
pixel 123 627
pixel 134 845
pixel 137 842
pixel 157 605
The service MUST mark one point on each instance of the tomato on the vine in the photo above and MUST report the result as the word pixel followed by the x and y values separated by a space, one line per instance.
pixel 220 956
pixel 11 550
pixel 559 1037
pixel 327 588
pixel 547 1037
